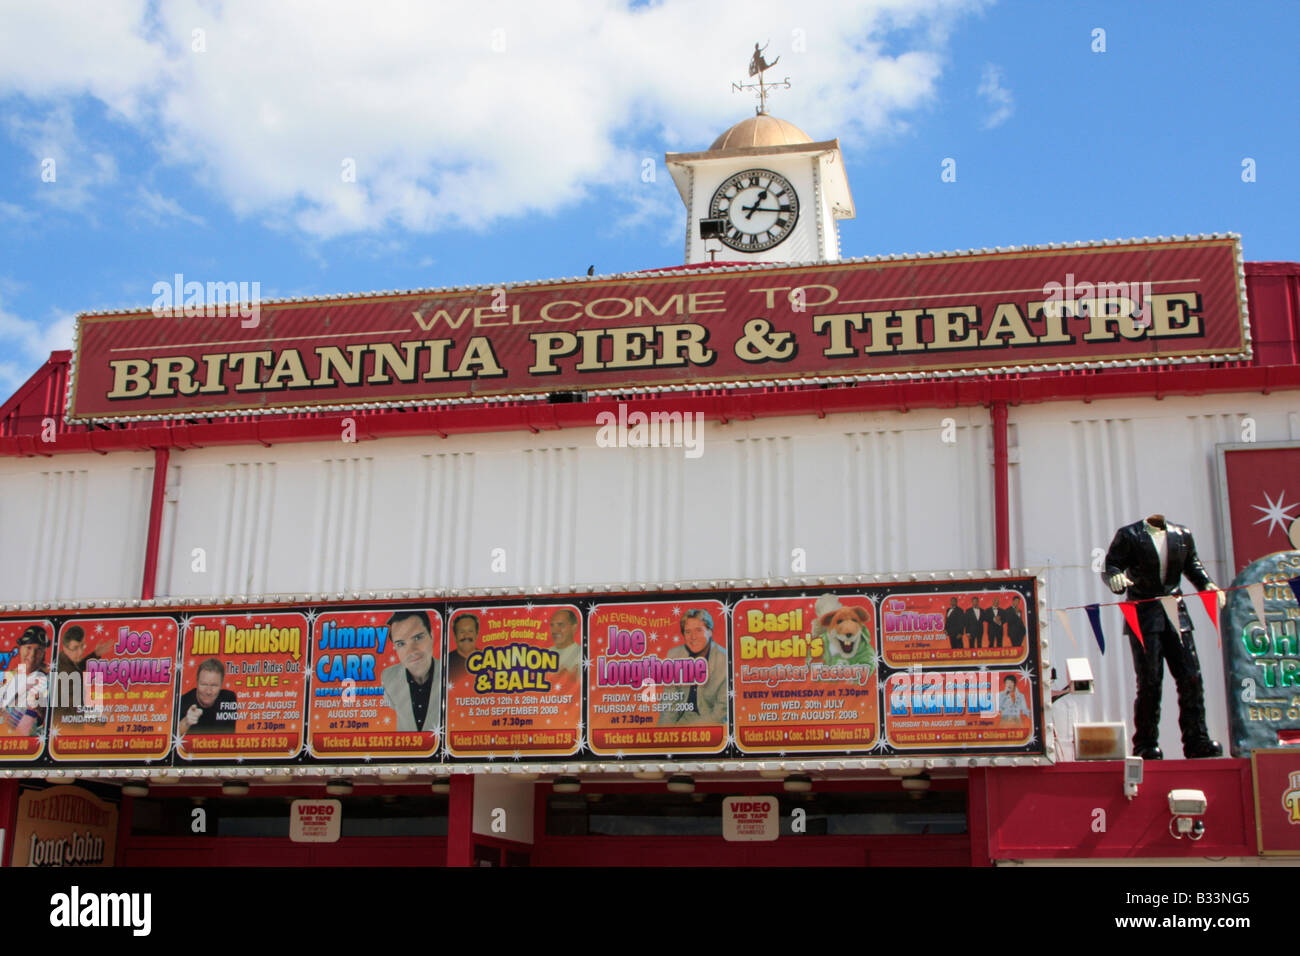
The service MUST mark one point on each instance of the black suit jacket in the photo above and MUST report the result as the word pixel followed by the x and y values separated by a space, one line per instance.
pixel 975 618
pixel 1133 553
pixel 996 626
pixel 1015 625
pixel 954 621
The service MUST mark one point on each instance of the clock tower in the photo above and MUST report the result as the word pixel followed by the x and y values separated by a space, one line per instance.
pixel 763 192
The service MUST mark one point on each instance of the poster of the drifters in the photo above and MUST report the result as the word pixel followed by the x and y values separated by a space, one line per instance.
pixel 874 669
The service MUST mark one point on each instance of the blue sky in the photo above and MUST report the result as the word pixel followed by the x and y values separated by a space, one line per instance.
pixel 505 143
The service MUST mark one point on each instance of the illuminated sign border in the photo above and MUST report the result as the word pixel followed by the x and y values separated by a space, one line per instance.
pixel 828 376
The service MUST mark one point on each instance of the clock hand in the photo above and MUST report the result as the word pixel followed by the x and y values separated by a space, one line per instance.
pixel 761 197
pixel 752 209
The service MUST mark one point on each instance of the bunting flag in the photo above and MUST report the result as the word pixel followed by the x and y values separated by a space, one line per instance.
pixel 1130 612
pixel 1211 601
pixel 1094 618
pixel 1256 592
pixel 1170 603
pixel 1295 587
pixel 1069 632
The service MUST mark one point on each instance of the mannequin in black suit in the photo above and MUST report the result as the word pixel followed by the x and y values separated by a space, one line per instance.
pixel 1147 559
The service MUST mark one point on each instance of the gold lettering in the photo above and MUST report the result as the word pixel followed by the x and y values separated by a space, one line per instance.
pixel 333 367
pixel 629 346
pixel 956 320
pixel 212 373
pixel 1055 322
pixel 906 328
pixel 688 336
pixel 480 321
pixel 624 303
pixel 645 305
pixel 839 325
pixel 1178 313
pixel 770 293
pixel 386 357
pixel 1007 320
pixel 250 361
pixel 289 365
pixel 590 350
pixel 546 310
pixel 549 345
pixel 478 352
pixel 441 314
pixel 181 369
pixel 130 378
pixel 438 359
pixel 698 300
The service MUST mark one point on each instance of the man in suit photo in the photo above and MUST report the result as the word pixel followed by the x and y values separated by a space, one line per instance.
pixel 997 624
pixel 954 624
pixel 708 701
pixel 411 686
pixel 975 619
pixel 1015 623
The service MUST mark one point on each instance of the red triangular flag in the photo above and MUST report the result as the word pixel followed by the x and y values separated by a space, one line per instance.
pixel 1211 601
pixel 1130 612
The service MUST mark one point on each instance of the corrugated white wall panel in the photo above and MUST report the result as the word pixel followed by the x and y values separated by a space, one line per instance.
pixel 1087 470
pixel 73 527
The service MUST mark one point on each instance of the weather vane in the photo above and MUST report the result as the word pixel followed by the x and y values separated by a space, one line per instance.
pixel 757 66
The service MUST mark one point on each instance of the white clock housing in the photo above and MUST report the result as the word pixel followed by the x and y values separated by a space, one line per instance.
pixel 802 185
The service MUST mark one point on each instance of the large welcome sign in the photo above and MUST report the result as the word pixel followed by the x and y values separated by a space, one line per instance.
pixel 1137 302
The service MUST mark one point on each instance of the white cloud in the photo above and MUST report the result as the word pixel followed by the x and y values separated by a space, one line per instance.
pixel 999 98
pixel 461 116
pixel 159 210
pixel 66 172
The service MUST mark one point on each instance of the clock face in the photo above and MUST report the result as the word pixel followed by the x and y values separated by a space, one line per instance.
pixel 760 209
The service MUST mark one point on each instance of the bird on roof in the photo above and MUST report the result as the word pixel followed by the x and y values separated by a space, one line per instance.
pixel 591 270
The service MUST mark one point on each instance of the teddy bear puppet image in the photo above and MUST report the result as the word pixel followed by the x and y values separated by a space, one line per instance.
pixel 1146 560
pixel 844 629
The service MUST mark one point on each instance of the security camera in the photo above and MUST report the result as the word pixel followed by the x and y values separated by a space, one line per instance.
pixel 1079 673
pixel 1186 808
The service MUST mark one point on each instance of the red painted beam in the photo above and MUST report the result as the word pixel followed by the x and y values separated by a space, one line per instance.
pixel 460 820
pixel 727 406
pixel 1001 485
pixel 160 459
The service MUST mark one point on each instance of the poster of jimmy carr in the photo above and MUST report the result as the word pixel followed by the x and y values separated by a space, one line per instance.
pixel 376 683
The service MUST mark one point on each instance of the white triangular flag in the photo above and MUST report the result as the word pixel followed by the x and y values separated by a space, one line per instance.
pixel 1256 592
pixel 1065 623
pixel 1170 604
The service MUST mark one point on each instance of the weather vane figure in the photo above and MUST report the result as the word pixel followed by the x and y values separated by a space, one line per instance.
pixel 757 66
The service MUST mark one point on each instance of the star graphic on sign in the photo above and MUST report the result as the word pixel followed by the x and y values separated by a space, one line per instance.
pixel 1277 513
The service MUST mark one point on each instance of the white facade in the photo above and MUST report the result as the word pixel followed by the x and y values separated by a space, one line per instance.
pixel 862 493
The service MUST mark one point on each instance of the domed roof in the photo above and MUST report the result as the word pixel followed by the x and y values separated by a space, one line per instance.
pixel 760 130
